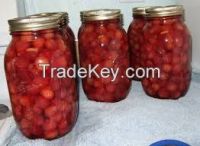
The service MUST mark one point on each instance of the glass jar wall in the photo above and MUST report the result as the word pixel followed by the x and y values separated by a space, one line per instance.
pixel 44 105
pixel 167 45
pixel 136 38
pixel 103 42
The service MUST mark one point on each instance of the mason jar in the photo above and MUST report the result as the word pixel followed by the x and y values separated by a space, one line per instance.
pixel 167 46
pixel 103 44
pixel 136 38
pixel 44 105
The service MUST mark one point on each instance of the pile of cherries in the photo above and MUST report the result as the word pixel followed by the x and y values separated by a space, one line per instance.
pixel 42 107
pixel 105 43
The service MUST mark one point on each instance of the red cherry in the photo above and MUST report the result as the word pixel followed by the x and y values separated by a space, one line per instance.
pixel 145 82
pixel 64 106
pixel 51 134
pixel 42 103
pixel 176 59
pixel 33 89
pixel 57 118
pixel 169 42
pixel 36 130
pixel 184 59
pixel 164 76
pixel 51 111
pixel 38 43
pixel 110 88
pixel 176 94
pixel 41 60
pixel 12 88
pixel 172 87
pixel 21 62
pixel 179 40
pixel 27 36
pixel 47 93
pixel 25 124
pixel 50 44
pixel 151 91
pixel 63 127
pixel 60 62
pixel 32 52
pixel 177 69
pixel 25 101
pixel 155 87
pixel 28 114
pixel 55 84
pixel 48 35
pixel 103 40
pixel 118 34
pixel 39 120
pixel 167 68
pixel 49 125
pixel 167 58
pixel 21 46
pixel 89 28
pixel 61 44
pixel 63 93
pixel 40 82
pixel 163 93
pixel 17 110
pixel 37 110
pixel 26 132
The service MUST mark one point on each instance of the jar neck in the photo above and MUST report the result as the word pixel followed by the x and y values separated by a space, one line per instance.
pixel 175 18
pixel 32 33
pixel 116 21
pixel 139 17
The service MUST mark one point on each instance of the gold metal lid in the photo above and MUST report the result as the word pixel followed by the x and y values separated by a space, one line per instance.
pixel 161 11
pixel 34 22
pixel 61 16
pixel 100 14
pixel 139 11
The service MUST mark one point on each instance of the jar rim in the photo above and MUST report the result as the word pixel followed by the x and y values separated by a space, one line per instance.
pixel 139 11
pixel 165 11
pixel 63 17
pixel 34 22
pixel 100 14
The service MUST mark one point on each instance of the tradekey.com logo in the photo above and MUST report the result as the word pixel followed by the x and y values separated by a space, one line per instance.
pixel 74 71
pixel 170 143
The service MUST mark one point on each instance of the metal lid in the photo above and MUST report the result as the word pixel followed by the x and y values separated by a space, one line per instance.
pixel 101 14
pixel 34 22
pixel 61 16
pixel 161 11
pixel 139 11
pixel 64 18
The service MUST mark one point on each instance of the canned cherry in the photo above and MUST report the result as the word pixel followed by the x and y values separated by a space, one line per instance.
pixel 103 42
pixel 43 107
pixel 167 45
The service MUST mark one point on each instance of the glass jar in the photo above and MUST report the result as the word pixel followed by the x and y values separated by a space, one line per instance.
pixel 44 105
pixel 136 38
pixel 103 42
pixel 167 46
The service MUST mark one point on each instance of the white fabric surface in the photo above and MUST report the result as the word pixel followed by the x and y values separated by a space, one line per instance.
pixel 7 127
pixel 137 121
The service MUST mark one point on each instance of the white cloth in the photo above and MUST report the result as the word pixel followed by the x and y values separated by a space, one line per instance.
pixel 137 121
pixel 7 127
